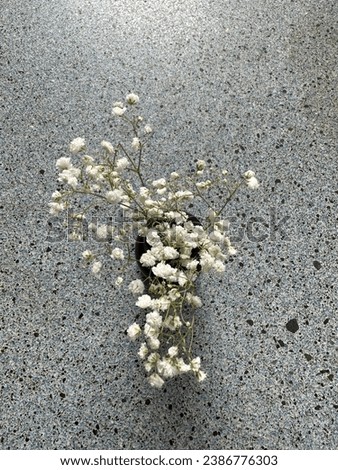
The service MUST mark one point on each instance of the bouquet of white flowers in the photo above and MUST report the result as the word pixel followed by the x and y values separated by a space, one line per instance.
pixel 172 246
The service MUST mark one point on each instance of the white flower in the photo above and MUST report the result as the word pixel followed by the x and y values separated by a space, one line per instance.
pixel 194 300
pixel 151 361
pixel 218 266
pixel 166 369
pixel 144 301
pixel 154 319
pixel 107 146
pixel 134 331
pixel 114 196
pixel 132 98
pixel 164 270
pixel 206 261
pixel 147 129
pixel 136 287
pixel 160 183
pixel 96 268
pixel 119 281
pixel 154 343
pixel 201 376
pixel 56 196
pixel 173 351
pixel 170 253
pixel 136 143
pixel 63 163
pixel 102 231
pixel 195 364
pixel 87 255
pixel 174 175
pixel 87 160
pixel 231 250
pixel 182 366
pixel 119 110
pixel 122 164
pixel 117 253
pixel 251 180
pixel 55 207
pixel 203 184
pixel 200 165
pixel 155 381
pixel 252 183
pixel 147 260
pixel 77 145
pixel 143 351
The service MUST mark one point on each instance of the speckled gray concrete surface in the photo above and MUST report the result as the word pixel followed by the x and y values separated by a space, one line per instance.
pixel 251 84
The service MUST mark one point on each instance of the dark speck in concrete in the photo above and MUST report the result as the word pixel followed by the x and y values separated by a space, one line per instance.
pixel 292 325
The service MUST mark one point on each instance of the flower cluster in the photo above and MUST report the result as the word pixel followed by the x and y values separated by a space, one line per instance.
pixel 173 246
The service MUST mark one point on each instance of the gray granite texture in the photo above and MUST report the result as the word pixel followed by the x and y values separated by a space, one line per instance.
pixel 248 84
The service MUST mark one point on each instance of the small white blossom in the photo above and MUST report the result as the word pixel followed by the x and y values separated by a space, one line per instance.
pixel 166 369
pixel 114 196
pixel 131 98
pixel 201 376
pixel 153 343
pixel 107 146
pixel 117 253
pixel 136 287
pixel 164 270
pixel 154 319
pixel 96 268
pixel 147 129
pixel 195 364
pixel 160 183
pixel 119 281
pixel 174 175
pixel 87 255
pixel 77 145
pixel 251 180
pixel 56 208
pixel 173 351
pixel 136 143
pixel 200 165
pixel 147 260
pixel 170 253
pixel 122 164
pixel 134 331
pixel 119 110
pixel 156 381
pixel 143 351
pixel 144 301
pixel 63 163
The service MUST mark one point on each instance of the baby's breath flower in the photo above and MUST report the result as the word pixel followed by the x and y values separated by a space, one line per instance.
pixel 134 331
pixel 88 255
pixel 77 145
pixel 56 208
pixel 136 143
pixel 147 129
pixel 63 163
pixel 159 184
pixel 155 381
pixel 117 253
pixel 143 351
pixel 96 268
pixel 119 281
pixel 119 110
pixel 122 164
pixel 107 146
pixel 136 287
pixel 144 301
pixel 200 165
pixel 173 351
pixel 250 179
pixel 132 98
pixel 115 196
